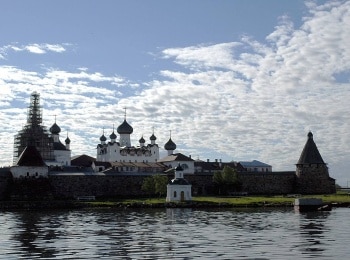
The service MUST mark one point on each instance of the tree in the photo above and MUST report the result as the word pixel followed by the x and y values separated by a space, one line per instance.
pixel 227 180
pixel 160 182
pixel 148 185
pixel 155 184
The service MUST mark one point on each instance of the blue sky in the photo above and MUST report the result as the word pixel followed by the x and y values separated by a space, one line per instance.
pixel 232 80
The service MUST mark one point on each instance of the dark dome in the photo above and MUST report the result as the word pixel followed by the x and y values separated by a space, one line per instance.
pixel 55 129
pixel 179 181
pixel 153 137
pixel 125 128
pixel 113 136
pixel 67 140
pixel 103 138
pixel 142 140
pixel 170 145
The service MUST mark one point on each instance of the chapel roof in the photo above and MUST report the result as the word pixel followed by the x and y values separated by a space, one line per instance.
pixel 179 181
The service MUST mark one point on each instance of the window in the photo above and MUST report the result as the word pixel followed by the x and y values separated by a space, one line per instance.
pixel 174 194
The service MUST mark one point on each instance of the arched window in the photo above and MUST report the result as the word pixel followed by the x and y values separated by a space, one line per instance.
pixel 174 194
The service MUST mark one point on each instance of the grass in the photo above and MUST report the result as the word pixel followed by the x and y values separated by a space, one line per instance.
pixel 244 201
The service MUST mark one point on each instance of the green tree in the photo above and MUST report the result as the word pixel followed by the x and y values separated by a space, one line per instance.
pixel 155 184
pixel 219 181
pixel 160 183
pixel 226 180
pixel 148 185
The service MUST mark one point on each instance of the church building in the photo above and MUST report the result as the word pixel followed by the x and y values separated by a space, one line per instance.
pixel 121 150
pixel 179 189
pixel 47 143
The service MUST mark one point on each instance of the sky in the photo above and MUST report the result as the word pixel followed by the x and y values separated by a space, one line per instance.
pixel 234 80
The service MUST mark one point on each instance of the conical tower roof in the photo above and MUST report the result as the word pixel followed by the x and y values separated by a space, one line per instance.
pixel 310 153
pixel 30 157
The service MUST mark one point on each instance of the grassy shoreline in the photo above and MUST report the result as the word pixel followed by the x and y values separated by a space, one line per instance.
pixel 337 200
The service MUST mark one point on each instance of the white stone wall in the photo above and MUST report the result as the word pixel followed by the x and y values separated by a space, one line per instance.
pixel 62 157
pixel 29 171
pixel 178 193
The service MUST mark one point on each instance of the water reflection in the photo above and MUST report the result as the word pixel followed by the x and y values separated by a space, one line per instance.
pixel 173 233
pixel 312 228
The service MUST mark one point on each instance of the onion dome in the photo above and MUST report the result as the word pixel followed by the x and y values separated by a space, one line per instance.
pixel 125 128
pixel 153 137
pixel 142 140
pixel 113 136
pixel 170 145
pixel 67 141
pixel 103 138
pixel 55 129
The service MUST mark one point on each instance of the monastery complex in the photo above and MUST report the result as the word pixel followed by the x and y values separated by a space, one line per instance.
pixel 120 167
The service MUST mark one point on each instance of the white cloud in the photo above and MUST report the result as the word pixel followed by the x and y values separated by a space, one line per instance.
pixel 34 48
pixel 252 100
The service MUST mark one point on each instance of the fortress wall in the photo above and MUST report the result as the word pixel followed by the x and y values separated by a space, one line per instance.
pixel 118 186
pixel 5 182
pixel 253 183
pixel 314 180
pixel 268 183
pixel 94 185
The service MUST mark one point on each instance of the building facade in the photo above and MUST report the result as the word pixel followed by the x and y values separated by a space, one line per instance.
pixel 121 150
pixel 179 189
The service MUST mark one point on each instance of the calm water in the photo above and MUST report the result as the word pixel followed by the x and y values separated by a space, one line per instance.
pixel 175 233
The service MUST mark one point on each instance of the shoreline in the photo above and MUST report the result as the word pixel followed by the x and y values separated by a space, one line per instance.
pixel 73 204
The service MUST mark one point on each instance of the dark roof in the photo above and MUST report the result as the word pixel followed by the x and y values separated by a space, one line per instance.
pixel 142 140
pixel 30 157
pixel 153 137
pixel 67 140
pixel 254 163
pixel 82 160
pixel 202 166
pixel 59 146
pixel 170 145
pixel 175 157
pixel 310 153
pixel 125 128
pixel 179 181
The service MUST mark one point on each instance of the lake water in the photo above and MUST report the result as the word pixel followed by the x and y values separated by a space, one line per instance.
pixel 175 234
